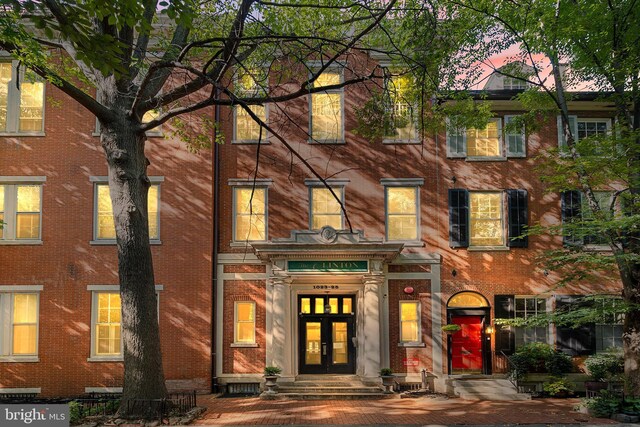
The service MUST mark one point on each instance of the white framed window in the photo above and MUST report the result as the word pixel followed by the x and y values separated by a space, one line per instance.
pixel 402 208
pixel 21 209
pixel 326 109
pixel 582 127
pixel 104 231
pixel 245 129
pixel 486 219
pixel 493 142
pixel 21 106
pixel 486 142
pixel 510 83
pixel 401 109
pixel 410 328
pixel 324 209
pixel 19 318
pixel 244 321
pixel 249 213
pixel 527 307
pixel 106 322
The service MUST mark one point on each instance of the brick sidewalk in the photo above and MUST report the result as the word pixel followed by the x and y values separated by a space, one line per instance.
pixel 253 411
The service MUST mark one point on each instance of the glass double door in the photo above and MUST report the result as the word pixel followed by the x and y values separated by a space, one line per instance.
pixel 327 340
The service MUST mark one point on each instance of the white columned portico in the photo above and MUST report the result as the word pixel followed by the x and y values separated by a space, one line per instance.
pixel 373 283
pixel 279 310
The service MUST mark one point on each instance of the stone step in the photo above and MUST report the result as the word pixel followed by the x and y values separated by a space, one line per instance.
pixel 323 389
pixel 488 390
pixel 332 396
pixel 494 396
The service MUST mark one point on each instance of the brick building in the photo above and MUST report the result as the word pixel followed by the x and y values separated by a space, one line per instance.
pixel 59 301
pixel 427 240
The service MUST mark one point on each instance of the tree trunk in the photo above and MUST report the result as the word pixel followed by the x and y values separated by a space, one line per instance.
pixel 128 185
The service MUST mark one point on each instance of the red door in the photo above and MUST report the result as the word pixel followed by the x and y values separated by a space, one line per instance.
pixel 466 344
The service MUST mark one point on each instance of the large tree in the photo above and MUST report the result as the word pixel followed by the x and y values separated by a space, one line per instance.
pixel 121 59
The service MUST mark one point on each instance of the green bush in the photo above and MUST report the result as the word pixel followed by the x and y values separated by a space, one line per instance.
pixel 272 370
pixel 631 406
pixel 558 363
pixel 74 412
pixel 605 366
pixel 559 387
pixel 604 405
pixel 540 358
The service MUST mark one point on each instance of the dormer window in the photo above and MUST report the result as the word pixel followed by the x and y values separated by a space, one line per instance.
pixel 511 83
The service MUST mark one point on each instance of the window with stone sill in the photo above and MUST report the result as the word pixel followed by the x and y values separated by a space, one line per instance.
pixel 244 322
pixel 325 209
pixel 327 110
pixel 402 213
pixel 249 214
pixel 410 322
pixel 21 105
pixel 491 142
pixel 18 324
pixel 486 219
pixel 401 109
pixel 20 210
pixel 245 129
pixel 104 226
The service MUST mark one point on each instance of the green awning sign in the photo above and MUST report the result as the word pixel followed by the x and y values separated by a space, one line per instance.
pixel 329 266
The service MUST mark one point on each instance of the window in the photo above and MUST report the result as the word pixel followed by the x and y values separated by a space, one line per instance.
pixel 250 214
pixel 410 322
pixel 325 209
pixel 576 209
pixel 511 83
pixel 583 128
pixel 246 129
pixel 527 307
pixel 486 219
pixel 21 209
pixel 18 324
pixel 490 142
pixel 402 212
pixel 477 219
pixel 400 109
pixel 245 322
pixel 21 107
pixel 104 227
pixel 107 312
pixel 485 142
pixel 327 110
pixel 609 331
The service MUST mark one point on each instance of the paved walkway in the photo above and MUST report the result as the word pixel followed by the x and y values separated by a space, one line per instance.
pixel 421 411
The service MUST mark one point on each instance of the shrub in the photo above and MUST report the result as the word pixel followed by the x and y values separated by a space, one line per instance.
pixel 539 357
pixel 604 405
pixel 605 366
pixel 559 387
pixel 558 363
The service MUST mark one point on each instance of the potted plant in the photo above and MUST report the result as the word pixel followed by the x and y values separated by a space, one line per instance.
pixel 388 379
pixel 450 329
pixel 270 378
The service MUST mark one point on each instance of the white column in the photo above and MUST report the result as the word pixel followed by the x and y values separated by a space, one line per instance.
pixel 373 284
pixel 436 324
pixel 279 313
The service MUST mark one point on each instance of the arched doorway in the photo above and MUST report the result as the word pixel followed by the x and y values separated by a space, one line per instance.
pixel 469 349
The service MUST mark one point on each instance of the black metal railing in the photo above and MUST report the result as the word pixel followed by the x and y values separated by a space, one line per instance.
pixel 512 371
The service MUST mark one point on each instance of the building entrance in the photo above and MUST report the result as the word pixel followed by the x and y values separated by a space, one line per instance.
pixel 327 339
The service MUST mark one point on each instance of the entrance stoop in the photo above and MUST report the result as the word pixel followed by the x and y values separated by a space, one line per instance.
pixel 483 387
pixel 342 387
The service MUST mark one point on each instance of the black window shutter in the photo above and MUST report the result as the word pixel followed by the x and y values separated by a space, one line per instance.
pixel 577 341
pixel 504 308
pixel 518 218
pixel 571 203
pixel 458 218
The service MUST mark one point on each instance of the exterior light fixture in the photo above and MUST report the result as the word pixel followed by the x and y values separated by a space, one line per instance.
pixel 490 329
